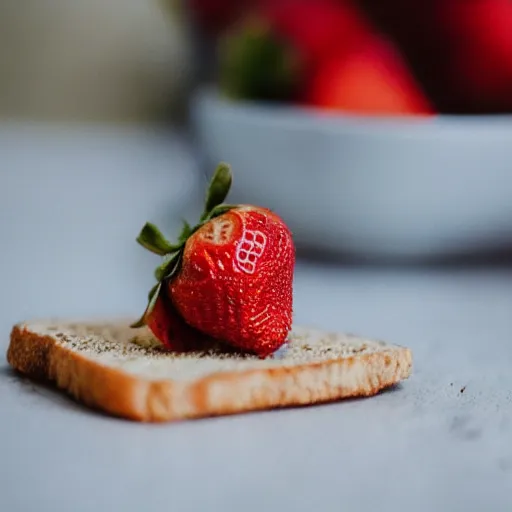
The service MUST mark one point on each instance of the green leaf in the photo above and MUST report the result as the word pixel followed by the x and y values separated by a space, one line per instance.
pixel 218 189
pixel 152 298
pixel 152 292
pixel 167 267
pixel 152 239
pixel 186 231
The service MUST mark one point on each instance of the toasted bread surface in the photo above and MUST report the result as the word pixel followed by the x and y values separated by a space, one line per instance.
pixel 109 366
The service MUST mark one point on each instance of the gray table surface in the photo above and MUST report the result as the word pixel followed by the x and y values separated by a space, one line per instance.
pixel 441 441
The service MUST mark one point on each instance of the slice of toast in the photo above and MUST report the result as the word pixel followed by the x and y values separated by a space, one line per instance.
pixel 123 372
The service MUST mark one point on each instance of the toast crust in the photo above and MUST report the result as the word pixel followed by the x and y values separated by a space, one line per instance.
pixel 129 396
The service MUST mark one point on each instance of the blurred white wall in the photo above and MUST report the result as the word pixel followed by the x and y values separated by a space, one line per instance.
pixel 112 60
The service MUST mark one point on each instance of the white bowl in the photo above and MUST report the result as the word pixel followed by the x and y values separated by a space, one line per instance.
pixel 368 187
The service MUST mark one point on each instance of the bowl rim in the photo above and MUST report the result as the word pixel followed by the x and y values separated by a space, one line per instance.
pixel 297 116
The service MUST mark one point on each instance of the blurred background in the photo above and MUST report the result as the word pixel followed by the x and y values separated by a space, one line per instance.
pixel 380 131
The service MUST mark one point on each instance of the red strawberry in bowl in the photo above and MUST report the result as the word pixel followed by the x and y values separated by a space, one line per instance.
pixel 229 278
pixel 372 79
pixel 478 40
pixel 270 53
pixel 317 29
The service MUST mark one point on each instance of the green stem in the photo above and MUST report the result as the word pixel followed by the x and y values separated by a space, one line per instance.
pixel 218 189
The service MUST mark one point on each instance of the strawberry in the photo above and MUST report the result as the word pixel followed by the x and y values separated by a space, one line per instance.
pixel 174 333
pixel 461 49
pixel 318 28
pixel 271 52
pixel 229 278
pixel 478 47
pixel 414 29
pixel 373 79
